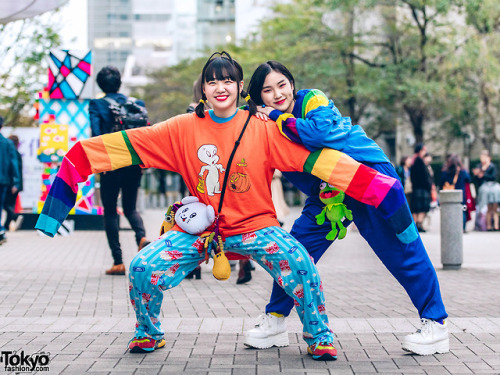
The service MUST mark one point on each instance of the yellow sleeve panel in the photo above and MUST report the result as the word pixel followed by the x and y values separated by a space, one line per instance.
pixel 317 100
pixel 280 120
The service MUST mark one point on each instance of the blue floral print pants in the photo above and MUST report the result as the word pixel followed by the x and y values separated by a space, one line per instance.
pixel 165 263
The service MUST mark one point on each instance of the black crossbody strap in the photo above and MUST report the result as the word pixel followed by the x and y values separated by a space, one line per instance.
pixel 226 175
pixel 216 234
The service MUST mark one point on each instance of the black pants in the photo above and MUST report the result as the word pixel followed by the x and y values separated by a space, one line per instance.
pixel 9 206
pixel 128 181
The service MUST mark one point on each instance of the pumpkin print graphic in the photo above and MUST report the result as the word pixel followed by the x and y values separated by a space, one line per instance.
pixel 239 181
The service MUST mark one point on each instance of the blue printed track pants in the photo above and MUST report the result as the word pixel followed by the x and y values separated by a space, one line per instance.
pixel 165 263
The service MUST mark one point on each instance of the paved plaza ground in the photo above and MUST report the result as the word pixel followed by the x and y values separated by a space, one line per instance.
pixel 55 299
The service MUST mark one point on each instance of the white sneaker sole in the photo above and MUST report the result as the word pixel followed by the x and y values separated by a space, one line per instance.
pixel 280 340
pixel 440 347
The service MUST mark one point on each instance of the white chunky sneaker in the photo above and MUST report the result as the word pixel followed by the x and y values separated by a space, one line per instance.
pixel 431 338
pixel 268 332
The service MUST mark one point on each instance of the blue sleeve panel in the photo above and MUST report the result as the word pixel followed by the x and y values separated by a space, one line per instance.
pixel 324 126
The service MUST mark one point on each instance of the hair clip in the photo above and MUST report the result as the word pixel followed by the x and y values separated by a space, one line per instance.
pixel 247 98
pixel 202 101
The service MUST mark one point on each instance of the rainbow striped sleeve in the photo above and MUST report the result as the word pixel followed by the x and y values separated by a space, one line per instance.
pixel 367 186
pixel 98 154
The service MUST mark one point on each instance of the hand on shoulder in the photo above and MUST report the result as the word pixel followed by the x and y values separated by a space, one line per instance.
pixel 266 110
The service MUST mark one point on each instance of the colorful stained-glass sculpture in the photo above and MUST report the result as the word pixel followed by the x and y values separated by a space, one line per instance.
pixel 69 73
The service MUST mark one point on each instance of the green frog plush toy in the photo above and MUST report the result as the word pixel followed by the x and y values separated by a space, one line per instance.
pixel 335 210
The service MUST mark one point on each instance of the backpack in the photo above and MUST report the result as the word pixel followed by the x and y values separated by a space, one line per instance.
pixel 128 115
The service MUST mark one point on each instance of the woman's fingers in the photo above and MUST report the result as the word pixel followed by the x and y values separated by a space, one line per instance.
pixel 262 116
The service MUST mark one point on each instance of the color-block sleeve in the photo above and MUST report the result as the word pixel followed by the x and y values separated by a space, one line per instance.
pixel 159 146
pixel 320 120
pixel 145 146
pixel 367 186
pixel 355 179
pixel 75 168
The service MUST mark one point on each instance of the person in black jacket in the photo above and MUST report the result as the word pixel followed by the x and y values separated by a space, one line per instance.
pixel 489 190
pixel 421 185
pixel 127 180
pixel 9 174
pixel 11 197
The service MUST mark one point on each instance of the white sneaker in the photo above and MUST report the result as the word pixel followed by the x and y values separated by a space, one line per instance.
pixel 19 221
pixel 268 332
pixel 431 338
pixel 16 224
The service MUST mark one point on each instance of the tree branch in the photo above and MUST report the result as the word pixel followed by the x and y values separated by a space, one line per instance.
pixel 363 60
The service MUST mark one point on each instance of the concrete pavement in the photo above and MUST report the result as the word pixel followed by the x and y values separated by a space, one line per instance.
pixel 56 301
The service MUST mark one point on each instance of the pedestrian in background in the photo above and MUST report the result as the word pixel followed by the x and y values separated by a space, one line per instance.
pixel 403 171
pixel 10 196
pixel 9 174
pixel 161 179
pixel 434 196
pixel 489 190
pixel 280 205
pixel 455 177
pixel 125 180
pixel 421 185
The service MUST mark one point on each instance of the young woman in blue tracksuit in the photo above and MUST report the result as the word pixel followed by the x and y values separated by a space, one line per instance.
pixel 308 117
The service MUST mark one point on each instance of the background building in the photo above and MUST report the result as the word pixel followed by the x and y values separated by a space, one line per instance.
pixel 141 35
pixel 215 23
pixel 110 32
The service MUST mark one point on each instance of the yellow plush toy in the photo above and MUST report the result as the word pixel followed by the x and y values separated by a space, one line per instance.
pixel 194 217
pixel 169 221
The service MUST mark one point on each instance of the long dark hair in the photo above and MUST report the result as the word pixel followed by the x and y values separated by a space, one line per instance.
pixel 259 76
pixel 453 163
pixel 403 160
pixel 221 66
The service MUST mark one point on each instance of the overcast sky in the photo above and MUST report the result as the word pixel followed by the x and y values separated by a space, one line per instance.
pixel 73 19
